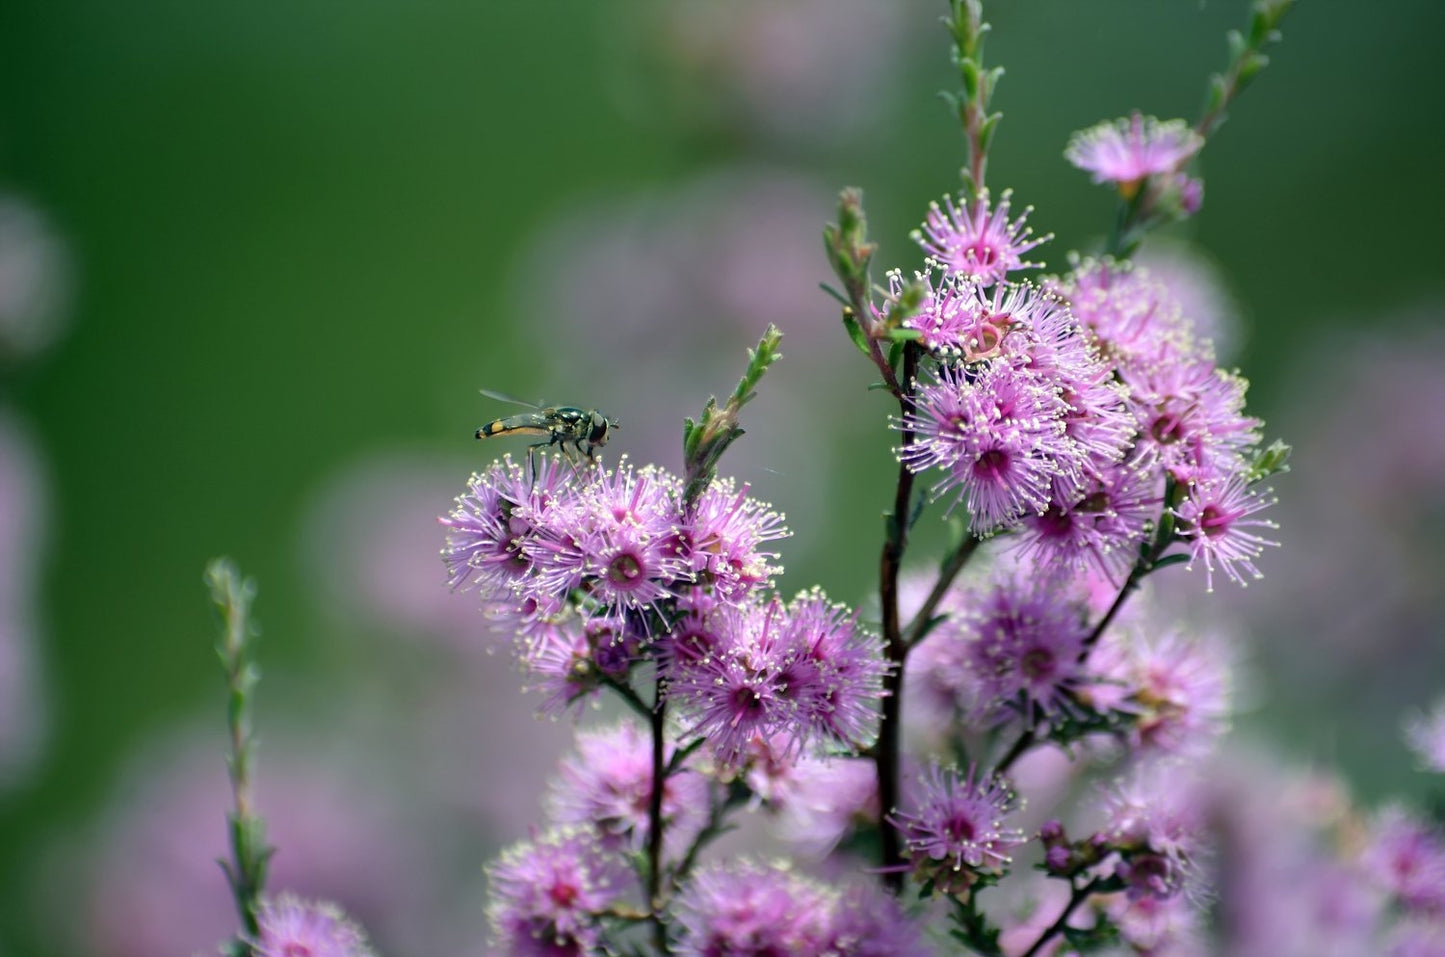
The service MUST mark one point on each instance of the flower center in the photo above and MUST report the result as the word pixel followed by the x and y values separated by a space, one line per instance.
pixel 992 465
pixel 987 337
pixel 1056 523
pixel 960 829
pixel 1037 663
pixel 745 701
pixel 1167 429
pixel 982 252
pixel 624 569
pixel 563 893
pixel 1214 522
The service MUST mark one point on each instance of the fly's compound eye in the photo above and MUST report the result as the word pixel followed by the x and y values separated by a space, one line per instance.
pixel 598 435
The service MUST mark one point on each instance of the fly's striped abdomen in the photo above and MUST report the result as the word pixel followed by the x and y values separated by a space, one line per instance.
pixel 528 423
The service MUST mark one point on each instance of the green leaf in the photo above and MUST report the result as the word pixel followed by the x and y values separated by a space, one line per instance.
pixel 1251 66
pixel 986 131
pixel 919 504
pixel 1273 460
pixel 842 299
pixel 1218 90
pixel 855 331
pixel 1178 558
pixel 1236 43
pixel 891 528
pixel 1166 527
pixel 968 70
pixel 929 625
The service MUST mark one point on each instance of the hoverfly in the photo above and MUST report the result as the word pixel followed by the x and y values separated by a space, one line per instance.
pixel 576 431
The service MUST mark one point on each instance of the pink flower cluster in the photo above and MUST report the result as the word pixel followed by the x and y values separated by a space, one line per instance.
pixel 756 909
pixel 291 927
pixel 606 786
pixel 614 540
pixel 598 571
pixel 1066 413
pixel 1188 414
pixel 1019 410
pixel 547 894
pixel 1084 423
pixel 805 672
pixel 957 830
pixel 1080 421
pixel 1013 648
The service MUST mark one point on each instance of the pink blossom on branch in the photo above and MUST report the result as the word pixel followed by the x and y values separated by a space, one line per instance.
pixel 1127 150
pixel 291 927
pixel 1425 733
pixel 972 239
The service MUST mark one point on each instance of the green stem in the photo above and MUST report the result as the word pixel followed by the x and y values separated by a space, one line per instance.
pixel 888 755
pixel 680 755
pixel 1080 894
pixel 654 818
pixel 1142 212
pixel 946 575
pixel 1025 741
pixel 246 870
pixel 1246 60
pixel 1132 222
pixel 1163 538
pixel 965 24
pixel 716 827
pixel 704 442
pixel 629 696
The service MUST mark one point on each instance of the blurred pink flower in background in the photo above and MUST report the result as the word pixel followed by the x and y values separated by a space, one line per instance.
pixel 373 543
pixel 487 753
pixel 674 285
pixel 1361 521
pixel 686 266
pixel 34 294
pixel 1281 870
pixel 35 280
pixel 1197 283
pixel 825 801
pixel 1425 734
pixel 765 68
pixel 1286 882
pixel 23 511
pixel 146 881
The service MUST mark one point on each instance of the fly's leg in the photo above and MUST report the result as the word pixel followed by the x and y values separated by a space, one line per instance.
pixel 587 449
pixel 532 458
pixel 559 439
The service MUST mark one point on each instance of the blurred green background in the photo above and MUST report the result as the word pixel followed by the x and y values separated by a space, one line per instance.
pixel 297 231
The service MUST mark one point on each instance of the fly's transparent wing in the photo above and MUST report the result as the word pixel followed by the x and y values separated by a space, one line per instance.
pixel 503 397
